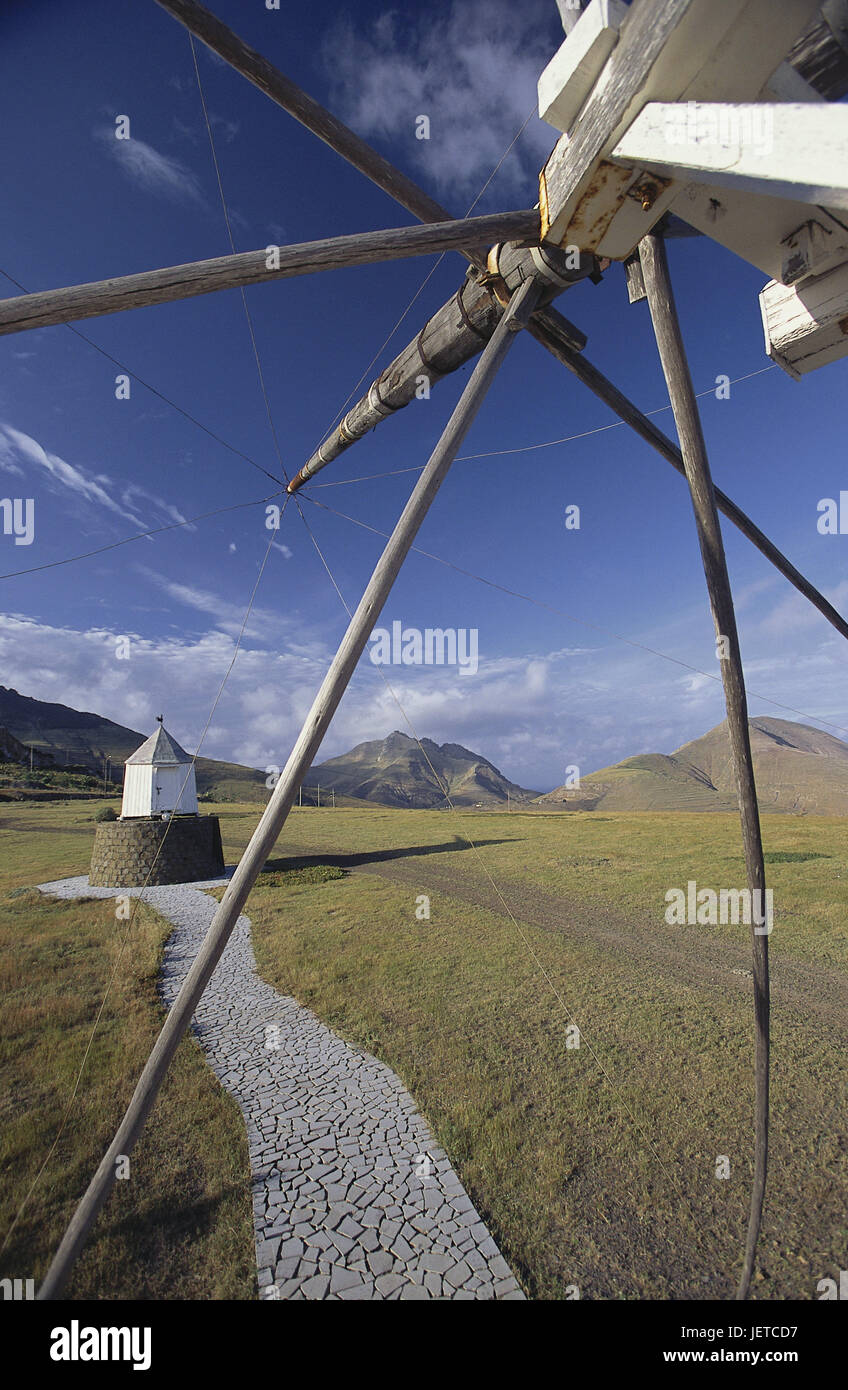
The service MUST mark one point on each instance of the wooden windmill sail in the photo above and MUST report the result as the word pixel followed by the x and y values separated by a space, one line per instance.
pixel 623 77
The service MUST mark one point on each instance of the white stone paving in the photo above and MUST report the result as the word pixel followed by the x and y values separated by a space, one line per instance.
pixel 352 1197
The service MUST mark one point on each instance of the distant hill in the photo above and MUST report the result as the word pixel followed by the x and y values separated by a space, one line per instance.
pixel 13 751
pixel 395 772
pixel 391 771
pixel 798 770
pixel 71 736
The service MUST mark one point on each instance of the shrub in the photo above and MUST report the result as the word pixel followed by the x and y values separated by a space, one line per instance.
pixel 105 813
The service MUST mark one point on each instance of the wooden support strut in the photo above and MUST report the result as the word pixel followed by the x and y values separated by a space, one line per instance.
pixel 274 816
pixel 682 395
pixel 175 282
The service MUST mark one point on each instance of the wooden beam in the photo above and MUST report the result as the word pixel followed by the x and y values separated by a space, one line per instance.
pixel 761 228
pixel 570 11
pixel 633 279
pixel 577 155
pixel 450 337
pixel 274 816
pixel 653 435
pixel 781 149
pixel 820 55
pixel 576 66
pixel 696 463
pixel 255 267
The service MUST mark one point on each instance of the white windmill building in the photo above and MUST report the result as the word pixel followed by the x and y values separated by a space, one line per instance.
pixel 159 778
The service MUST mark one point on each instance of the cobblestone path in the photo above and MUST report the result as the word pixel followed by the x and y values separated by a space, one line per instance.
pixel 352 1198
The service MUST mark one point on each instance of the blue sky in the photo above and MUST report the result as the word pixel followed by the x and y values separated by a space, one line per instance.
pixel 551 690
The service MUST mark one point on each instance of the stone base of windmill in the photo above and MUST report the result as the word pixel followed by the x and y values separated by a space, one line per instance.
pixel 130 853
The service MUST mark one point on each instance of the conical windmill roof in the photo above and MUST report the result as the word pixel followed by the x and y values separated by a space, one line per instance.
pixel 162 749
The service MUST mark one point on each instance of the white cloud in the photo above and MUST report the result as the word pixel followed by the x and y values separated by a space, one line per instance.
pixel 532 715
pixel 221 125
pixel 471 68
pixel 263 624
pixel 18 448
pixel 794 613
pixel 153 172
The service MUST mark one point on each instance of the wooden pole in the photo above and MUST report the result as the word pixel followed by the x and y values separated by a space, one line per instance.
pixel 273 818
pixel 221 39
pixel 546 334
pixel 682 396
pixel 164 286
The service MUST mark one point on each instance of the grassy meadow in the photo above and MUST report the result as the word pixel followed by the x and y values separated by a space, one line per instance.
pixel 180 1226
pixel 594 1165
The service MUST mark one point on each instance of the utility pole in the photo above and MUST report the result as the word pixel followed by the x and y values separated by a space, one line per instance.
pixel 319 795
pixel 300 795
pixel 334 798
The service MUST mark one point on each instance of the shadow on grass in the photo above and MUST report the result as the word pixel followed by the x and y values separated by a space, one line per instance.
pixel 377 856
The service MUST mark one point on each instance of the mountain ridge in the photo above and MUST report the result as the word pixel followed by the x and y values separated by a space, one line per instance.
pixel 798 770
pixel 396 771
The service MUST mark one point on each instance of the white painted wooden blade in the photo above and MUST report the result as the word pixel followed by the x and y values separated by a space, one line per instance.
pixel 573 71
pixel 806 326
pixel 667 51
pixel 787 150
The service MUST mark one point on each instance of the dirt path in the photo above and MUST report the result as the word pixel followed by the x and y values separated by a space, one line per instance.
pixel 682 954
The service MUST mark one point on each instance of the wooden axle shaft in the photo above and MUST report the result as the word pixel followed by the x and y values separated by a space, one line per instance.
pixel 454 334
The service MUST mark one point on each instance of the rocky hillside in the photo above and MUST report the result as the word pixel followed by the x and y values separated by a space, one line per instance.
pixel 798 770
pixel 396 772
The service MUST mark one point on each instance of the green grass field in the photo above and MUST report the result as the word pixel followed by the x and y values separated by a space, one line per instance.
pixel 594 1165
